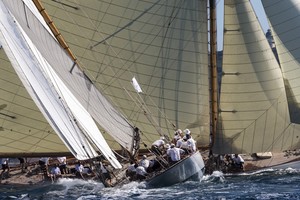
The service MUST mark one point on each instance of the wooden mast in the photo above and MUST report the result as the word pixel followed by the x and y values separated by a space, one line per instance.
pixel 213 71
pixel 54 30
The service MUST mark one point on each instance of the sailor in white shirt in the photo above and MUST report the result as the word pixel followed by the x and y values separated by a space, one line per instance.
pixel 144 162
pixel 140 172
pixel 184 145
pixel 187 133
pixel 238 161
pixel 177 135
pixel 158 145
pixel 179 143
pixel 191 144
pixel 175 152
pixel 167 147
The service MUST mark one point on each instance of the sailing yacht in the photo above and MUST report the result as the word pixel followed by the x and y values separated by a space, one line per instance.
pixel 67 96
pixel 166 46
pixel 251 109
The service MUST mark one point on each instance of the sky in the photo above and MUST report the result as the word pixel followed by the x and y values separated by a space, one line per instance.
pixel 258 8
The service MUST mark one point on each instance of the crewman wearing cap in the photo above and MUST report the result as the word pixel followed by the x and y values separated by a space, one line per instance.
pixel 158 145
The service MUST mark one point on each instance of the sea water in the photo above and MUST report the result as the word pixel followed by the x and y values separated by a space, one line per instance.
pixel 268 184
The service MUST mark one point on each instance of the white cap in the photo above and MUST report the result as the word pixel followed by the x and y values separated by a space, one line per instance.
pixel 162 138
pixel 187 131
pixel 167 146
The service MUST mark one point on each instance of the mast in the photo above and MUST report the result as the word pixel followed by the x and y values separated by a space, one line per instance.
pixel 213 71
pixel 55 31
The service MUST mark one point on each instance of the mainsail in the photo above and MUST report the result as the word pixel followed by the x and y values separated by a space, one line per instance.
pixel 254 115
pixel 161 43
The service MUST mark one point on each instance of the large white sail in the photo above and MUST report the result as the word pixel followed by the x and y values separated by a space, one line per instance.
pixel 31 64
pixel 163 44
pixel 27 67
pixel 284 20
pixel 83 119
pixel 74 78
pixel 24 130
pixel 254 116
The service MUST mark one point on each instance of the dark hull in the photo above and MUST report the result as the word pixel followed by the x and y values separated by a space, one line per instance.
pixel 181 171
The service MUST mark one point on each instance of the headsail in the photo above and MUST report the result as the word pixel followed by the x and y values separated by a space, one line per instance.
pixel 67 116
pixel 254 116
pixel 162 43
pixel 27 67
pixel 75 79
pixel 83 119
pixel 284 20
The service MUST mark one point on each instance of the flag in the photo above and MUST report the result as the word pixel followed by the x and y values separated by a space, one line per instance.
pixel 136 85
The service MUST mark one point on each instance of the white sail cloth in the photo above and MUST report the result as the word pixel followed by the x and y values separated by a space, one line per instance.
pixel 284 21
pixel 75 79
pixel 80 134
pixel 162 43
pixel 27 68
pixel 254 115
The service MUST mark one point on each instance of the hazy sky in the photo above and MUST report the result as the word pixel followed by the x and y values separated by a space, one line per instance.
pixel 258 8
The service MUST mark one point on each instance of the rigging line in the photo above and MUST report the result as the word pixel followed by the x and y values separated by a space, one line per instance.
pixel 91 21
pixel 146 112
pixel 162 113
pixel 65 4
pixel 116 54
pixel 123 158
pixel 127 120
pixel 108 84
pixel 124 27
pixel 109 44
pixel 82 10
pixel 145 49
pixel 123 63
pixel 171 19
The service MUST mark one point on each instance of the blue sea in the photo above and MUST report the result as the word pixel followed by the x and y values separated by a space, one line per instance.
pixel 269 184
